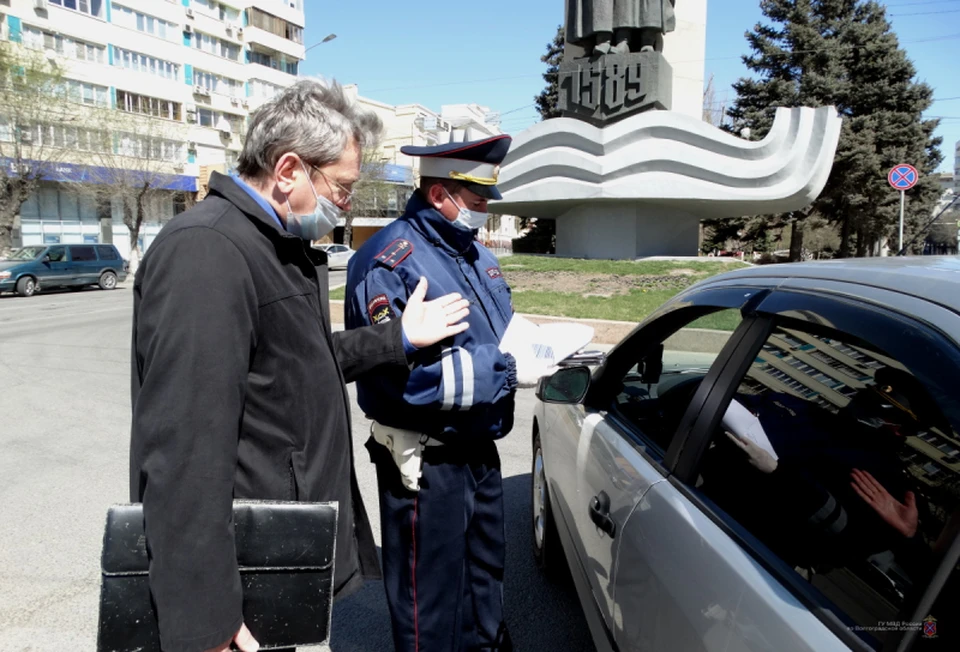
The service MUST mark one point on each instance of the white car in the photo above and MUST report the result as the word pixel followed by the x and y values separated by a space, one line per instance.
pixel 770 462
pixel 338 255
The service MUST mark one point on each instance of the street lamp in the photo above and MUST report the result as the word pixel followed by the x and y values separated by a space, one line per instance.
pixel 326 39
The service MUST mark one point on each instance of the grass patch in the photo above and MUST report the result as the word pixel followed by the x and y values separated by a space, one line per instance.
pixel 339 294
pixel 614 267
pixel 604 289
pixel 632 307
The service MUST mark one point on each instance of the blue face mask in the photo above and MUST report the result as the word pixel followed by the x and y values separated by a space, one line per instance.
pixel 313 226
pixel 468 219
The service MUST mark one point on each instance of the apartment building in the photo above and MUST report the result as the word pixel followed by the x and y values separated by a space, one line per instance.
pixel 198 67
pixel 416 125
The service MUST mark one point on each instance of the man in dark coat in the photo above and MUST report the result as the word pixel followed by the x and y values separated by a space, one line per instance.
pixel 238 382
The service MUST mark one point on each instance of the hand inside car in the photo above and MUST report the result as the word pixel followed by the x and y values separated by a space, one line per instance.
pixel 759 458
pixel 902 517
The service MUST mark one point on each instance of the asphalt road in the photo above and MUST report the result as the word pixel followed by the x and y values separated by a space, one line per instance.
pixel 64 437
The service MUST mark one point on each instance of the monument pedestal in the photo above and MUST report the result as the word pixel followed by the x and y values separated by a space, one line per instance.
pixel 626 230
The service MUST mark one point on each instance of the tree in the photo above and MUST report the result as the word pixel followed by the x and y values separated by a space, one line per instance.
pixel 713 110
pixel 371 194
pixel 33 99
pixel 885 106
pixel 547 100
pixel 135 168
pixel 795 66
pixel 843 53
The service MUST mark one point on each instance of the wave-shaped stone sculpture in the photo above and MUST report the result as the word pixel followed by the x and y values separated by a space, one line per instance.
pixel 640 186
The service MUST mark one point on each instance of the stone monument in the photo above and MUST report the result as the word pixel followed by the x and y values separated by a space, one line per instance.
pixel 613 64
pixel 627 177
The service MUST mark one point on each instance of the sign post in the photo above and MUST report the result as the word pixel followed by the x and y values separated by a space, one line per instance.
pixel 903 177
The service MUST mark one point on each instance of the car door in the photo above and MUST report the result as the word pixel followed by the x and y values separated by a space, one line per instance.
pixel 736 552
pixel 604 456
pixel 55 268
pixel 84 264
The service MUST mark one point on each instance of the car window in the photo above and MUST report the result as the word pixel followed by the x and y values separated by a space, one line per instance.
pixel 658 387
pixel 57 254
pixel 839 460
pixel 107 252
pixel 82 254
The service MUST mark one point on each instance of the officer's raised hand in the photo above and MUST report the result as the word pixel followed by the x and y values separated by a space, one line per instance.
pixel 428 322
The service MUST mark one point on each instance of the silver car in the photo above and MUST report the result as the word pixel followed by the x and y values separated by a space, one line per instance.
pixel 771 461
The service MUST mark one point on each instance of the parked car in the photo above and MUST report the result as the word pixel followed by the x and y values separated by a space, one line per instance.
pixel 338 255
pixel 771 461
pixel 29 269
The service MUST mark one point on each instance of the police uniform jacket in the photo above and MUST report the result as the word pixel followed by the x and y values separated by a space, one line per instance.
pixel 462 387
pixel 238 393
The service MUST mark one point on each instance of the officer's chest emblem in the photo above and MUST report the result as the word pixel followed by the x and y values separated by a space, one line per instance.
pixel 494 273
pixel 379 309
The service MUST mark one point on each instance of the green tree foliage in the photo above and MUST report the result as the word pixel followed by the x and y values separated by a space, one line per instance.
pixel 842 53
pixel 548 98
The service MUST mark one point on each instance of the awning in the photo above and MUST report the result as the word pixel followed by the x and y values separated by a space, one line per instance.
pixel 75 173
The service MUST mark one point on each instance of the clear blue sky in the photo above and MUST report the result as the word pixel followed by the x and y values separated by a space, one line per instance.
pixel 434 53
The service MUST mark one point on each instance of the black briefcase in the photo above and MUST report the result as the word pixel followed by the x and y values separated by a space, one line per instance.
pixel 285 551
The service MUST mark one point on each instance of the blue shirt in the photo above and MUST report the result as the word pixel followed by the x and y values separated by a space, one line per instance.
pixel 408 348
pixel 257 197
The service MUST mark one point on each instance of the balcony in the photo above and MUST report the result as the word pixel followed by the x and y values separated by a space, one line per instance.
pixel 270 41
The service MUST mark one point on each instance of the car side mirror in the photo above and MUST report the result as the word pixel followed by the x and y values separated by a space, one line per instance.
pixel 567 386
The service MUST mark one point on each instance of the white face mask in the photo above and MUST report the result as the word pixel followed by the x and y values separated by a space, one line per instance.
pixel 468 219
pixel 313 226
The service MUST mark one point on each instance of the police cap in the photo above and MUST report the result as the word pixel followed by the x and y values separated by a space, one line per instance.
pixel 475 164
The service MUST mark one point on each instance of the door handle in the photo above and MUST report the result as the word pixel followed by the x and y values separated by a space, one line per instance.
pixel 600 513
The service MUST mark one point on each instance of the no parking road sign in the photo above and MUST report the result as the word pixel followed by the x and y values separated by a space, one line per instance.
pixel 903 176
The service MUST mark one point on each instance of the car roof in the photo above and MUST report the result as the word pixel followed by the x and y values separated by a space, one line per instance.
pixel 933 278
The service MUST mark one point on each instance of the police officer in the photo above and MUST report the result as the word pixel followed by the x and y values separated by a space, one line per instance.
pixel 435 424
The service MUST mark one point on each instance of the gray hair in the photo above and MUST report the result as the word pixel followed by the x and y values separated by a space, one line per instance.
pixel 314 121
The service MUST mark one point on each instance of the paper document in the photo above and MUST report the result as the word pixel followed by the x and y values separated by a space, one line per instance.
pixel 745 425
pixel 548 344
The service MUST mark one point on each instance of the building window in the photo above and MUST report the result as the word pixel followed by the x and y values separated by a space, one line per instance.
pixel 274 25
pixel 74 138
pixel 263 89
pixel 137 146
pixel 217 84
pixel 89 94
pixel 275 61
pixel 63 45
pixel 91 7
pixel 216 120
pixel 145 64
pixel 133 103
pixel 145 23
pixel 216 46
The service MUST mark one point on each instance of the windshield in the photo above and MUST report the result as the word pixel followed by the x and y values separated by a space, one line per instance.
pixel 25 253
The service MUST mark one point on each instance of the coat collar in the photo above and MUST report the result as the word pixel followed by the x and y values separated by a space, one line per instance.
pixel 223 186
pixel 436 228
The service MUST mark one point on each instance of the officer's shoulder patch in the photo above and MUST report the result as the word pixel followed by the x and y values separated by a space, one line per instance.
pixel 494 273
pixel 395 253
pixel 379 309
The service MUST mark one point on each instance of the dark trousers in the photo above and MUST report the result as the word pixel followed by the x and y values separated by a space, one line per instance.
pixel 443 550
